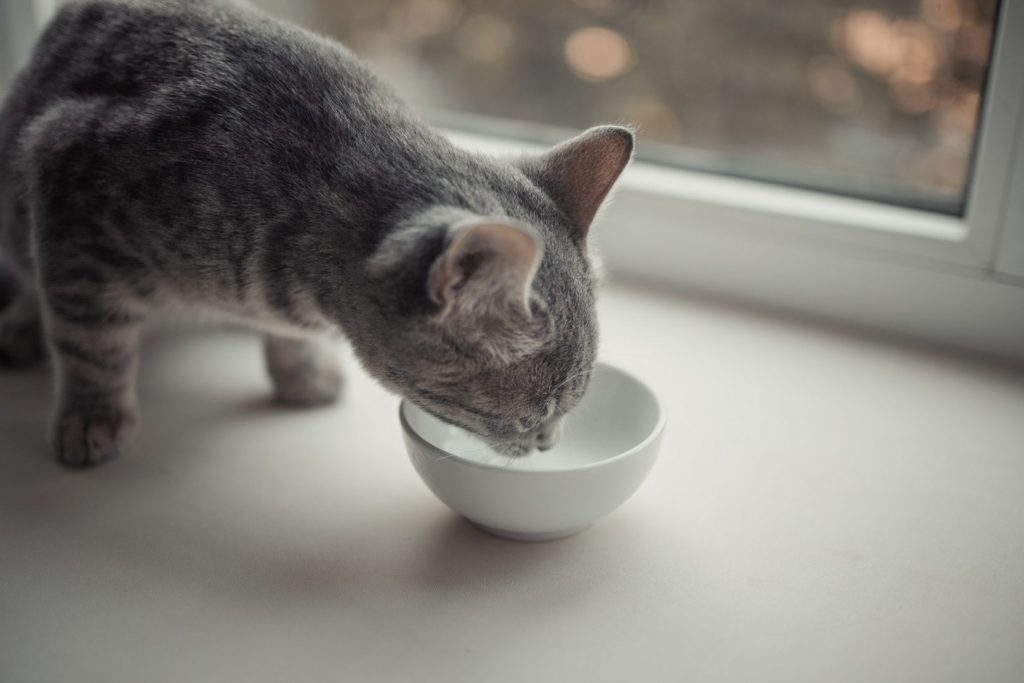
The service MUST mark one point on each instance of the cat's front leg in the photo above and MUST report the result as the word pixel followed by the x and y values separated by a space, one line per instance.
pixel 305 371
pixel 95 348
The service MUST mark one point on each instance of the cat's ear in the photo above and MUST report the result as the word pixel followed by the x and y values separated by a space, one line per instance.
pixel 579 173
pixel 486 269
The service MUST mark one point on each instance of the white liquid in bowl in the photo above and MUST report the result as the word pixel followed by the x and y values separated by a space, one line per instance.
pixel 571 451
pixel 615 416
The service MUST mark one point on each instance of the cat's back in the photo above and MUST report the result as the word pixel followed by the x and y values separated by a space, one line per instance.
pixel 169 86
pixel 161 104
pixel 173 75
pixel 174 49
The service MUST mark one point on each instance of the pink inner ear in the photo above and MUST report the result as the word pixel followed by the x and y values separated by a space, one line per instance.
pixel 580 173
pixel 507 258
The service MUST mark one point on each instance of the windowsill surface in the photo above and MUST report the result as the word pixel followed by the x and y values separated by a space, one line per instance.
pixel 825 507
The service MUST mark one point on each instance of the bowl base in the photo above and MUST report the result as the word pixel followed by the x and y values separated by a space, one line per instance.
pixel 528 536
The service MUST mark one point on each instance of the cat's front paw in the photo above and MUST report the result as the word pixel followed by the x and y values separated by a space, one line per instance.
pixel 89 438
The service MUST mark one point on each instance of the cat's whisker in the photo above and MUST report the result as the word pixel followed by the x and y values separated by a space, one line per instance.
pixel 569 379
pixel 464 453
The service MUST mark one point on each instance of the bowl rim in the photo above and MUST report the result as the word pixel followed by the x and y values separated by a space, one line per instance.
pixel 659 427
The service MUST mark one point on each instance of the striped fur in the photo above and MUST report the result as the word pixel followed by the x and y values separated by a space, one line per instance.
pixel 194 153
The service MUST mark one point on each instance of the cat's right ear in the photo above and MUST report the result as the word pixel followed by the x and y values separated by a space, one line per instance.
pixel 579 173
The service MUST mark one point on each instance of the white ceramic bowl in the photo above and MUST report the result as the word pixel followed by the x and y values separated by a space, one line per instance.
pixel 608 445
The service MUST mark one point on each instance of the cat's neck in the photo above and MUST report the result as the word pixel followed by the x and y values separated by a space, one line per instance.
pixel 319 280
pixel 346 210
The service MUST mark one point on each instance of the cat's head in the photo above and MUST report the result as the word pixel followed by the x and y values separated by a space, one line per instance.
pixel 492 323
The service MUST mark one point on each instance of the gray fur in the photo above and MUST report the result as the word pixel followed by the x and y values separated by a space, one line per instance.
pixel 198 153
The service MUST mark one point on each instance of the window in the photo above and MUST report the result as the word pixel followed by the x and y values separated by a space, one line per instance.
pixel 861 159
pixel 861 97
pixel 850 158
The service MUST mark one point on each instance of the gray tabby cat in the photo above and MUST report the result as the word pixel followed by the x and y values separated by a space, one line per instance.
pixel 201 153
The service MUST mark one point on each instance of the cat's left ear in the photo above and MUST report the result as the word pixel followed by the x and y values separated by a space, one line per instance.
pixel 482 283
pixel 579 173
pixel 487 267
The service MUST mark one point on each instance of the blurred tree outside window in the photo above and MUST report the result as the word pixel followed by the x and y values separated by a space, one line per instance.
pixel 874 98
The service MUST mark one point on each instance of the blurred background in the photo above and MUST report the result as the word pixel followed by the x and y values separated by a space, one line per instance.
pixel 872 98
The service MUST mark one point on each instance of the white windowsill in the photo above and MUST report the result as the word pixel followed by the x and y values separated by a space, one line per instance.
pixel 825 507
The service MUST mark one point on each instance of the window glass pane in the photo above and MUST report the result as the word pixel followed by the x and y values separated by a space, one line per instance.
pixel 871 98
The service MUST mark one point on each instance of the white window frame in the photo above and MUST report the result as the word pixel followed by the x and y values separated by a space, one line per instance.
pixel 956 280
